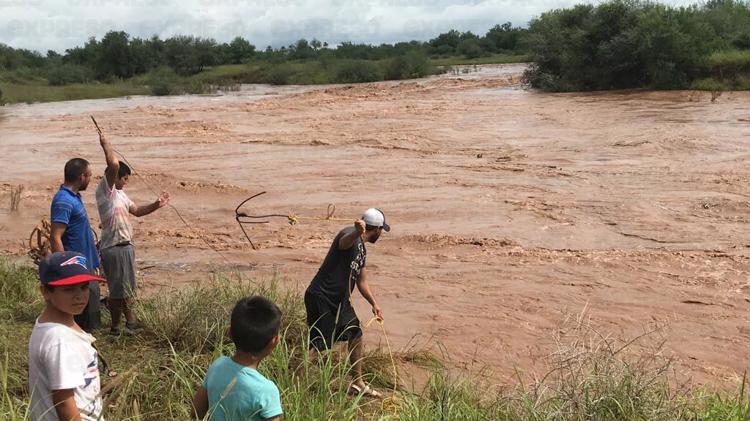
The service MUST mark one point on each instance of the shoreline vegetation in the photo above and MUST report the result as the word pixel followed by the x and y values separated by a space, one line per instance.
pixel 119 65
pixel 619 44
pixel 590 376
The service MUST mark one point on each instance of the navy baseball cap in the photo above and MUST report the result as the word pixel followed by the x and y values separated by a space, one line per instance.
pixel 65 268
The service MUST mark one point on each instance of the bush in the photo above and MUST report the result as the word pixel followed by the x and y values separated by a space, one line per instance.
pixel 279 74
pixel 729 64
pixel 357 71
pixel 625 44
pixel 65 74
pixel 163 81
pixel 708 84
pixel 411 65
pixel 470 48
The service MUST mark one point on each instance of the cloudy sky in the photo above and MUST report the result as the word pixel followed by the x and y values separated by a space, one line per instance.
pixel 61 24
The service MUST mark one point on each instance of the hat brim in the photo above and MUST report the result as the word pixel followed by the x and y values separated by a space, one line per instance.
pixel 386 227
pixel 73 280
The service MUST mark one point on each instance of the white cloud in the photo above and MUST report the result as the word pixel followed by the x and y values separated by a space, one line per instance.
pixel 61 24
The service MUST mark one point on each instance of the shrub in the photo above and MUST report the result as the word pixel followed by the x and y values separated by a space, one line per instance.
pixel 356 71
pixel 65 74
pixel 163 81
pixel 413 64
pixel 624 44
pixel 708 84
pixel 279 74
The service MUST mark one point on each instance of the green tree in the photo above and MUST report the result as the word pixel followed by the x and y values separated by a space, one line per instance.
pixel 240 50
pixel 470 48
pixel 181 55
pixel 445 43
pixel 114 57
pixel 504 38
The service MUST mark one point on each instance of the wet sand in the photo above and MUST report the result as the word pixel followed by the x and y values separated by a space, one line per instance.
pixel 509 208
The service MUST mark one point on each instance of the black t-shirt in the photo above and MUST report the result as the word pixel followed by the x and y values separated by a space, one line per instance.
pixel 333 282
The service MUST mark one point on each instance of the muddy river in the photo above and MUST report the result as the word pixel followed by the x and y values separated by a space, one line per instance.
pixel 510 209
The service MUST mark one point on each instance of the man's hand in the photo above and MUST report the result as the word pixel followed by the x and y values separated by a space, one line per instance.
pixel 360 226
pixel 163 199
pixel 377 312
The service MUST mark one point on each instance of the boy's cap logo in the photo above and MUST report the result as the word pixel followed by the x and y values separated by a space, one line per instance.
pixel 75 260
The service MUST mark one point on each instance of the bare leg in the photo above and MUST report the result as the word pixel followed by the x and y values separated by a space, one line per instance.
pixel 127 308
pixel 115 310
pixel 356 351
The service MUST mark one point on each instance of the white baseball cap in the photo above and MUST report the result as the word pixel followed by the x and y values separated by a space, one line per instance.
pixel 375 218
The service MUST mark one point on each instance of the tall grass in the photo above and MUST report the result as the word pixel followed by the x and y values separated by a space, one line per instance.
pixel 591 377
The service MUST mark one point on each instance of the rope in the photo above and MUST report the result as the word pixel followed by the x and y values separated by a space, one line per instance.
pixel 294 219
pixel 42 236
pixel 389 403
pixel 176 211
pixel 41 233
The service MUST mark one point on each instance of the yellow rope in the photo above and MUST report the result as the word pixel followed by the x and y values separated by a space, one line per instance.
pixel 391 402
pixel 294 218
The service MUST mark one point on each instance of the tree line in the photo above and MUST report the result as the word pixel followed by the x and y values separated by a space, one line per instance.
pixel 118 55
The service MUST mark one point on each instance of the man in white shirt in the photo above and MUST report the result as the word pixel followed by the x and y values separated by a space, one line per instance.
pixel 116 246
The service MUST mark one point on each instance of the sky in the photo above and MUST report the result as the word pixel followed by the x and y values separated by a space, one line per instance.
pixel 59 24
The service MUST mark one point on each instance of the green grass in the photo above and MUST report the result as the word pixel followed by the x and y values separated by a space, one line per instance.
pixel 591 377
pixel 491 59
pixel 38 90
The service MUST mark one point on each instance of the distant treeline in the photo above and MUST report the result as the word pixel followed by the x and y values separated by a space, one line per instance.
pixel 614 45
pixel 632 44
pixel 119 56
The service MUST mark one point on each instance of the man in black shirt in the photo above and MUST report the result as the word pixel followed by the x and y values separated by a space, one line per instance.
pixel 330 314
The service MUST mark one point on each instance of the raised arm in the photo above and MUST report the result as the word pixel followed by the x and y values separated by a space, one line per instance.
pixel 113 164
pixel 347 241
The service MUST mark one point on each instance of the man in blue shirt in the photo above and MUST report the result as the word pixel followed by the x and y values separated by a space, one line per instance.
pixel 71 231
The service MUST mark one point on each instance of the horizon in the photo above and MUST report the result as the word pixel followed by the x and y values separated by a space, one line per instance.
pixel 42 25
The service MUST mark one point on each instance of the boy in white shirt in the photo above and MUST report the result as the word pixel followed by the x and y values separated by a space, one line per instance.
pixel 63 371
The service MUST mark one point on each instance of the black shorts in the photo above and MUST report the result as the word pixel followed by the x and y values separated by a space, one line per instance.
pixel 330 324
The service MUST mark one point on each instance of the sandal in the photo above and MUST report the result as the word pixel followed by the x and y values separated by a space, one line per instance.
pixel 367 391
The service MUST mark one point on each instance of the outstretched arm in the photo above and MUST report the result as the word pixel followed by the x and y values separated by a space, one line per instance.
pixel 113 164
pixel 144 210
pixel 364 289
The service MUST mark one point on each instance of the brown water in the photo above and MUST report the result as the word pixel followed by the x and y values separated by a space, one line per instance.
pixel 509 208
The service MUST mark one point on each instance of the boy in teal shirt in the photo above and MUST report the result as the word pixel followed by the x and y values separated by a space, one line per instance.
pixel 234 390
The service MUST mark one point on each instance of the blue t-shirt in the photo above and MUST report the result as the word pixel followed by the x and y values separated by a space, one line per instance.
pixel 67 208
pixel 239 393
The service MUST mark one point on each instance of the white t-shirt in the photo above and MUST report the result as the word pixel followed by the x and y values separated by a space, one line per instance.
pixel 62 358
pixel 114 208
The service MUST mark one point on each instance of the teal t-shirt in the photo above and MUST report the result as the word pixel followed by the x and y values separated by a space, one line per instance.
pixel 250 397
